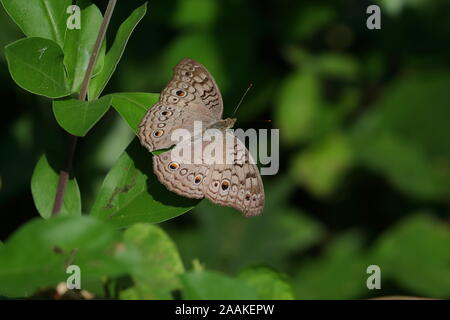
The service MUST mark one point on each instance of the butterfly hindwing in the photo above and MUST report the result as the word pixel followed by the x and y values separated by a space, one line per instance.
pixel 236 184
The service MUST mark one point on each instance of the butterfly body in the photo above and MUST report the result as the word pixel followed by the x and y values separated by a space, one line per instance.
pixel 222 124
pixel 192 97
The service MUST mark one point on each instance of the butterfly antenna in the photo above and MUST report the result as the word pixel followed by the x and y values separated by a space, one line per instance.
pixel 242 99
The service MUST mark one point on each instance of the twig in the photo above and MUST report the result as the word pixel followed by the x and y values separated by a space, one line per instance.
pixel 72 140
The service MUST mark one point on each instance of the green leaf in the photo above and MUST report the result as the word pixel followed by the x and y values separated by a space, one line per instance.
pixel 288 232
pixel 133 106
pixel 299 102
pixel 115 53
pixel 100 62
pixel 78 117
pixel 40 18
pixel 209 285
pixel 43 187
pixel 156 275
pixel 322 167
pixel 404 164
pixel 338 66
pixel 79 44
pixel 36 65
pixel 37 255
pixel 415 255
pixel 131 192
pixel 270 284
pixel 340 273
pixel 408 141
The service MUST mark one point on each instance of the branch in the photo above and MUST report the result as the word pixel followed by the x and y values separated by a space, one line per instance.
pixel 72 140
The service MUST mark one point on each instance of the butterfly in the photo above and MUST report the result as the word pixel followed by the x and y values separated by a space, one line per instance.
pixel 191 96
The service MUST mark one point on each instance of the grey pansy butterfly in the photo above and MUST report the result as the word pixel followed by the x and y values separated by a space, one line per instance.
pixel 192 95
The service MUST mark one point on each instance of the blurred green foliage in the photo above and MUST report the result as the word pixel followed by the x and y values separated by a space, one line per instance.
pixel 364 154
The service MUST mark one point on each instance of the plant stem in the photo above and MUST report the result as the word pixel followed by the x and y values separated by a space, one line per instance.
pixel 72 140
